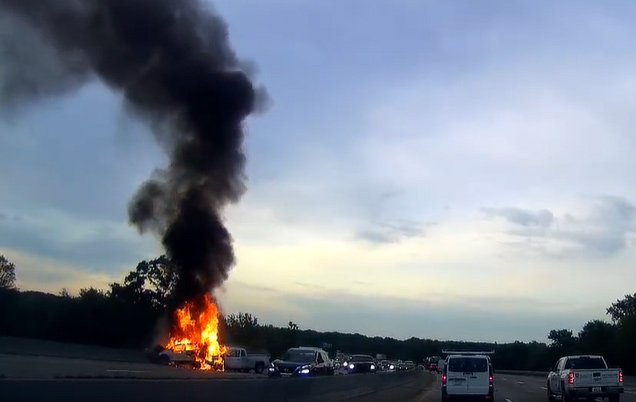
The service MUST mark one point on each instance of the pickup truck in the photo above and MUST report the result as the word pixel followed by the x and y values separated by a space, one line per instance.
pixel 585 376
pixel 238 359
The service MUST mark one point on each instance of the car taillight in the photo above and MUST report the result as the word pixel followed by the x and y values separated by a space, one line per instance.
pixel 444 379
pixel 621 379
pixel 491 379
pixel 570 378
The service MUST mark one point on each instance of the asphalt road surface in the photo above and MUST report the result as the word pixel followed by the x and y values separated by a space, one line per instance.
pixel 49 367
pixel 421 388
pixel 325 389
pixel 513 388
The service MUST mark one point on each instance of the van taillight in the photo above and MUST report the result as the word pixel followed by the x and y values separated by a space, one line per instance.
pixel 621 379
pixel 491 379
pixel 444 379
pixel 570 378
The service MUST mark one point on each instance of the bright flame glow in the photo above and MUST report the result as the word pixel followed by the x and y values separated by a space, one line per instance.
pixel 196 330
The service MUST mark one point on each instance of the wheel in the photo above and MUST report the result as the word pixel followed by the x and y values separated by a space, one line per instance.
pixel 259 368
pixel 614 398
pixel 564 396
pixel 550 394
pixel 164 359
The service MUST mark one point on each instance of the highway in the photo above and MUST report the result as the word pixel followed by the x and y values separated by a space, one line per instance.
pixel 34 378
pixel 516 388
pixel 369 388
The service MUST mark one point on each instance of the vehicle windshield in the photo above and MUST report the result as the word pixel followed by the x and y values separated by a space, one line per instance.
pixel 300 355
pixel 361 358
pixel 585 363
pixel 468 364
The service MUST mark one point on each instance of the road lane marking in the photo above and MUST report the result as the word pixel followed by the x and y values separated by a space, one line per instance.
pixel 520 382
pixel 543 388
pixel 125 371
pixel 508 400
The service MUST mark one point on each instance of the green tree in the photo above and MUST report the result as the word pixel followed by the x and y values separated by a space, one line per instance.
pixel 622 308
pixel 7 273
pixel 563 341
pixel 623 314
pixel 243 328
pixel 598 337
pixel 292 326
pixel 152 282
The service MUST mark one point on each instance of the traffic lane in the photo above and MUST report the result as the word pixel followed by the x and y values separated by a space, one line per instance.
pixel 507 389
pixel 411 391
pixel 515 388
pixel 101 390
pixel 47 367
pixel 318 389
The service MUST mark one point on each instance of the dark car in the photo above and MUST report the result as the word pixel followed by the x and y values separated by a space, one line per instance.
pixel 361 364
pixel 301 362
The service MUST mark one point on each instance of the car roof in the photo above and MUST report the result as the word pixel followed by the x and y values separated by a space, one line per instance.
pixel 477 356
pixel 584 356
pixel 362 356
pixel 313 349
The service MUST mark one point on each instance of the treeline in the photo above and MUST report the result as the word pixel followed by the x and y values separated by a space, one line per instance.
pixel 127 314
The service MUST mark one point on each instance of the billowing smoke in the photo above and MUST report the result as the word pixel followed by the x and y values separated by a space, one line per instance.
pixel 172 63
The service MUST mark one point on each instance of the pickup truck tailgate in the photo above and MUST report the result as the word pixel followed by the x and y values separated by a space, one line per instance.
pixel 596 378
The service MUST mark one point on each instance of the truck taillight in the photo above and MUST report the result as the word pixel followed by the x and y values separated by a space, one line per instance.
pixel 570 378
pixel 621 378
pixel 444 379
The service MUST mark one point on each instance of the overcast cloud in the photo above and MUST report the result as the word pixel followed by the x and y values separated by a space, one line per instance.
pixel 416 155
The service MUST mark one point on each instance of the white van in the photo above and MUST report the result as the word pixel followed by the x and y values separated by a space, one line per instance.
pixel 468 376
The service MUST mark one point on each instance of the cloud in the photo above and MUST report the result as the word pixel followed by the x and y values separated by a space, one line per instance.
pixel 495 318
pixel 97 245
pixel 45 274
pixel 392 231
pixel 601 230
pixel 542 218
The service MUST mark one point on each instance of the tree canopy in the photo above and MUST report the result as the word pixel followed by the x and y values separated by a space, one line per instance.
pixel 7 273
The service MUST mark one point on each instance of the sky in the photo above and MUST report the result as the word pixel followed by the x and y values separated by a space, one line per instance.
pixel 452 170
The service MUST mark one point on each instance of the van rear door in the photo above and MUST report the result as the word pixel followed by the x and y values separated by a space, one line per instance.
pixel 479 376
pixel 456 376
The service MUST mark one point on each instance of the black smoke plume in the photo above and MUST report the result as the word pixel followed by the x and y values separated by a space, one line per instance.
pixel 172 63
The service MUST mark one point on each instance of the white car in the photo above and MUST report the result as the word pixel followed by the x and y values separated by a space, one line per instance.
pixel 584 376
pixel 238 359
pixel 468 376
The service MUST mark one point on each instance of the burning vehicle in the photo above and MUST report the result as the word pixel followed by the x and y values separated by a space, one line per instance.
pixel 194 338
pixel 302 362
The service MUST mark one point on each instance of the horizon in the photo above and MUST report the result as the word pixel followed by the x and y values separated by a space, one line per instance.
pixel 407 177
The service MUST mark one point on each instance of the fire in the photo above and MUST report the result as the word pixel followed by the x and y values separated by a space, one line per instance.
pixel 196 330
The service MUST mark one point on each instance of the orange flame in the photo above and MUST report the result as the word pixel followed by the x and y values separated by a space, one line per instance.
pixel 196 330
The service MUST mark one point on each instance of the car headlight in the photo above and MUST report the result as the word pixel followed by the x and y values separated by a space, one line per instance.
pixel 344 364
pixel 272 369
pixel 304 371
pixel 392 367
pixel 352 366
pixel 373 367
